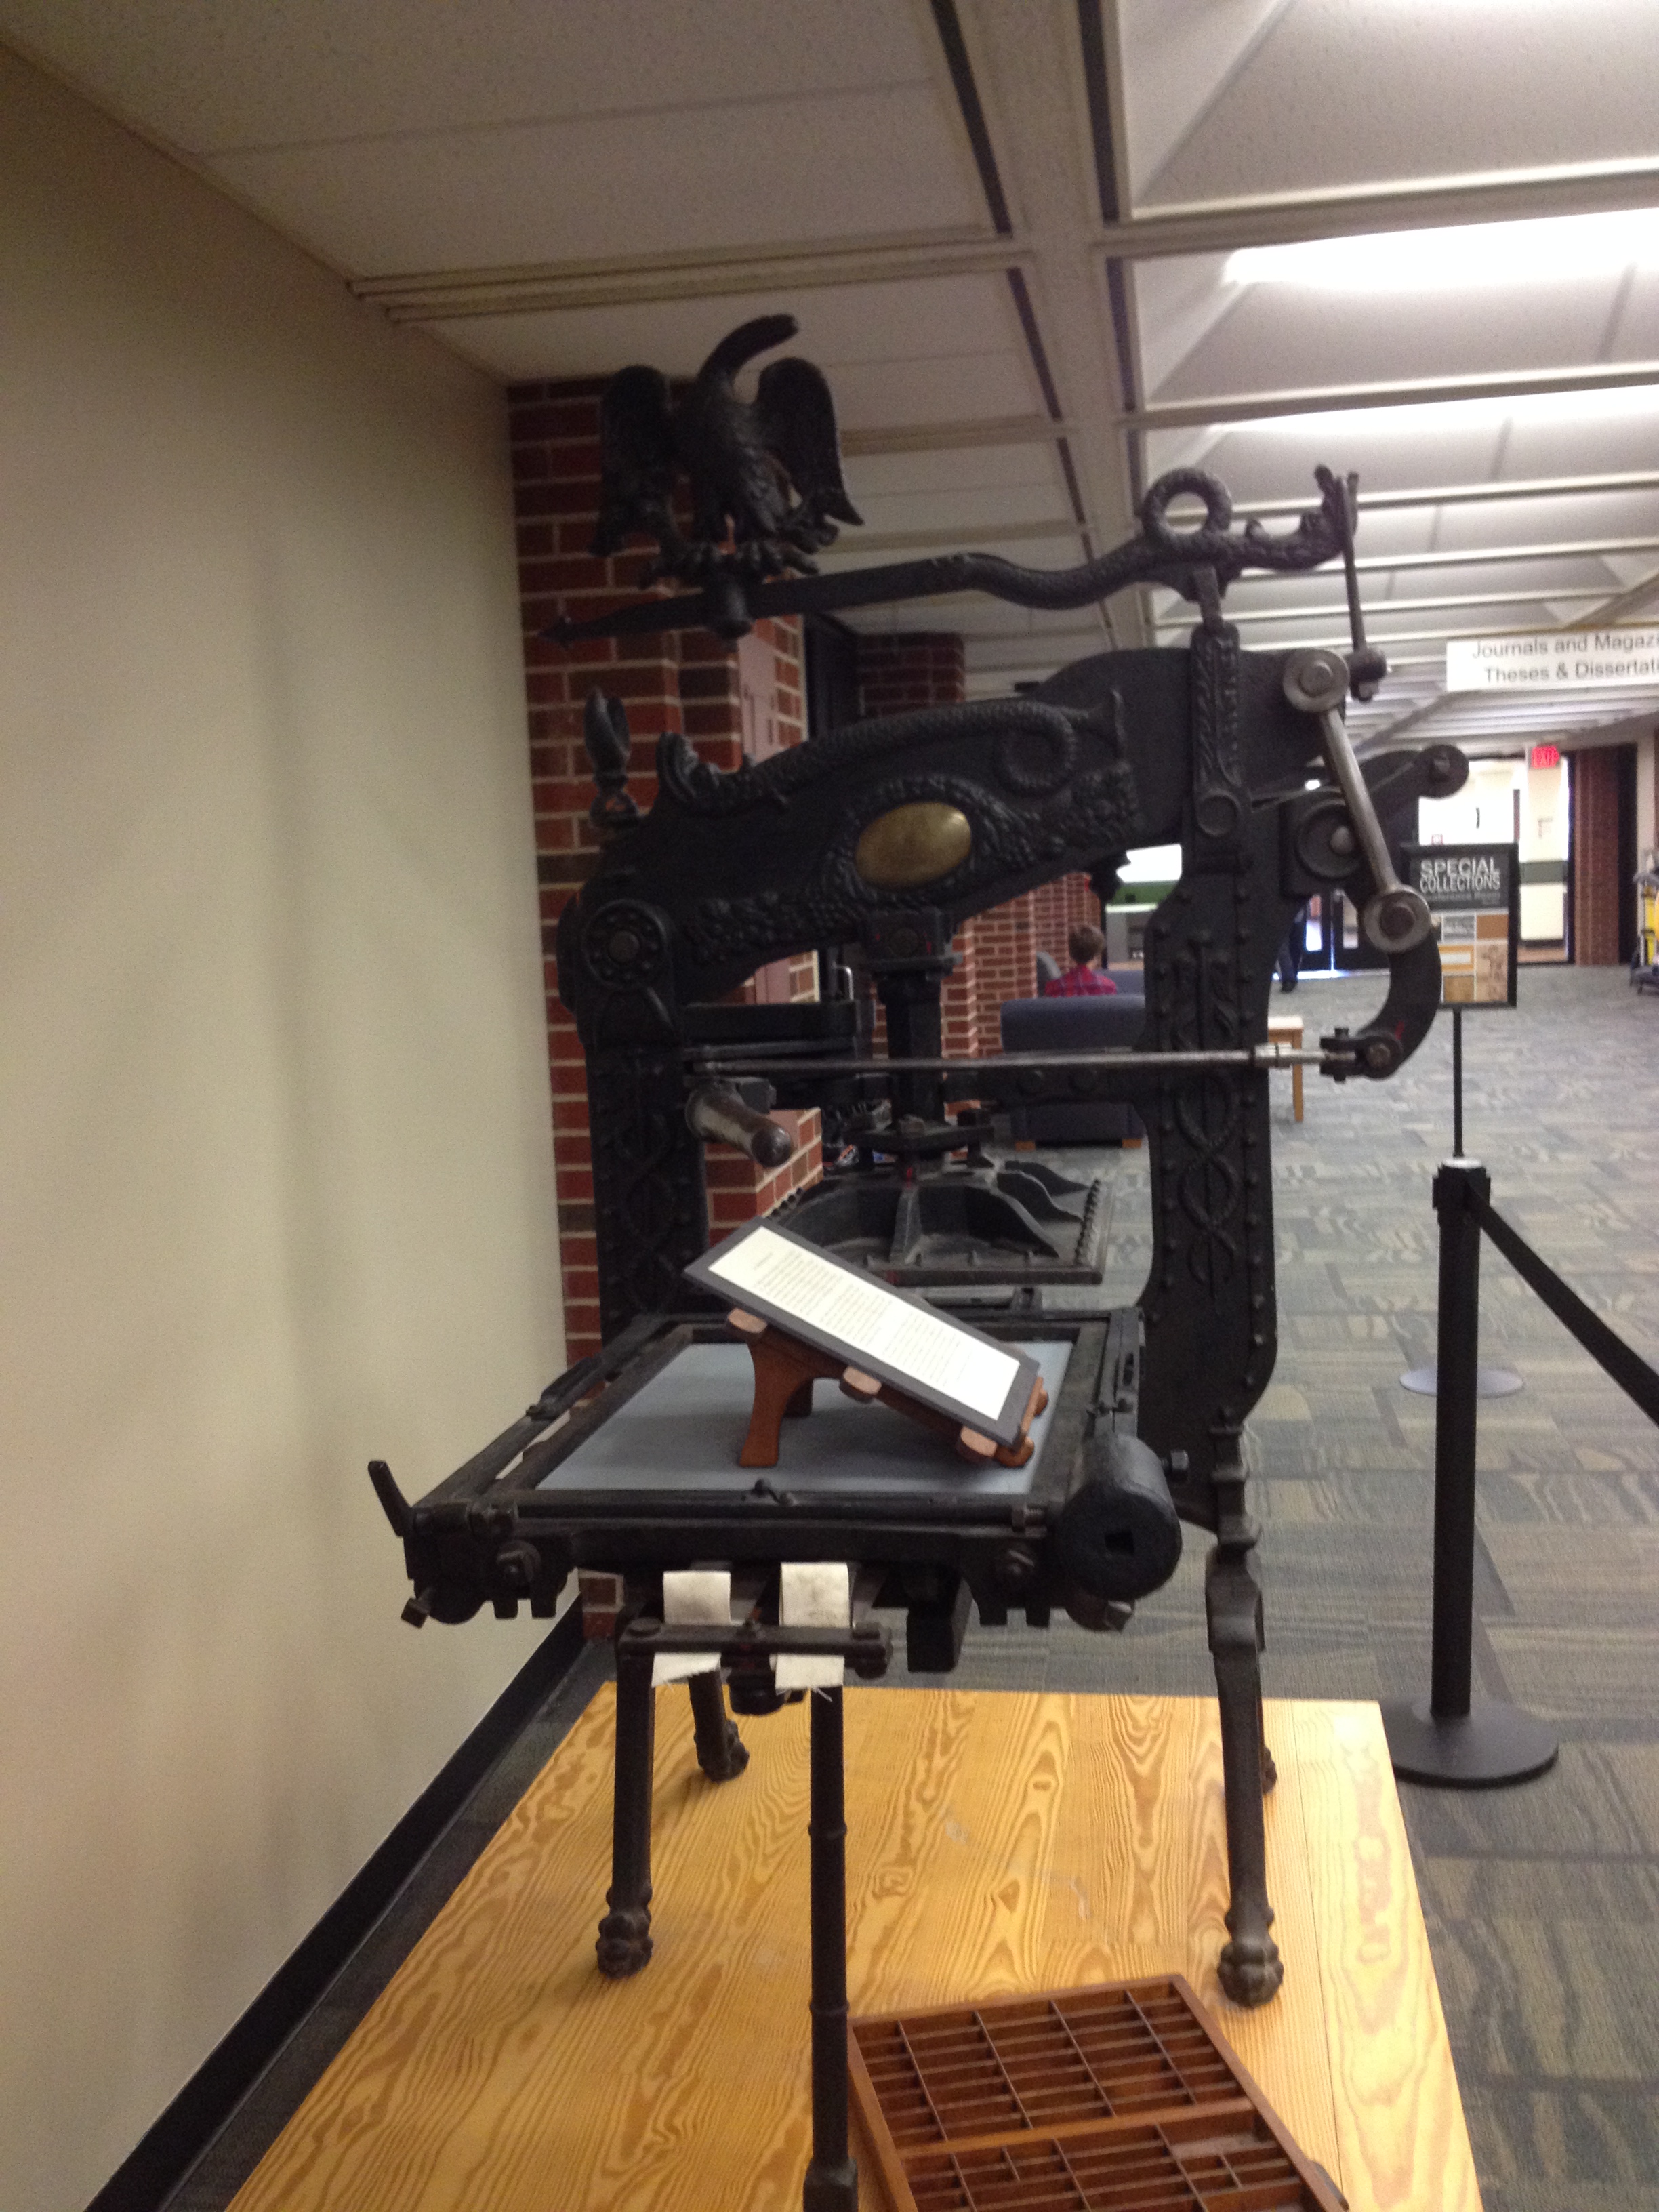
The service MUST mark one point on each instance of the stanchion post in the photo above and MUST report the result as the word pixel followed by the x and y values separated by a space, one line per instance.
pixel 1457 1358
pixel 1457 1082
pixel 1445 1738
pixel 832 2178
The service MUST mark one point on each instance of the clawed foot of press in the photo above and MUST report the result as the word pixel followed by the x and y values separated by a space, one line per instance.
pixel 1251 1970
pixel 728 1761
pixel 624 1944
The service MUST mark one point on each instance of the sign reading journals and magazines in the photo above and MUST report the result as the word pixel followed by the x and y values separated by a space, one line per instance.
pixel 1473 892
pixel 1553 660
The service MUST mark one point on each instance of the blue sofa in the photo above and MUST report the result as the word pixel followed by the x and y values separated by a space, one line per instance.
pixel 1076 1025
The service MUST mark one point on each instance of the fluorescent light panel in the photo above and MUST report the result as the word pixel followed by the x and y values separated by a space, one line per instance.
pixel 1543 250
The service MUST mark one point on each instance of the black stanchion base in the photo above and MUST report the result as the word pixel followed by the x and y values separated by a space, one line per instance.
pixel 1490 1745
pixel 1489 1382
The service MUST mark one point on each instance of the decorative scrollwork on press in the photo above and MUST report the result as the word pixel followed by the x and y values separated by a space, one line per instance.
pixel 1200 564
pixel 1035 745
pixel 1101 807
pixel 643 1157
pixel 625 944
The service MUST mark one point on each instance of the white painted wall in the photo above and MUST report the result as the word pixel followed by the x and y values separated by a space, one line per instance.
pixel 274 1152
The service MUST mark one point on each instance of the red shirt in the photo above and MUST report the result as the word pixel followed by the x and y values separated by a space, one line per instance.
pixel 1080 983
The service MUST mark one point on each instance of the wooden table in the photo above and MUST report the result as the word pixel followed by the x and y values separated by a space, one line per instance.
pixel 997 1842
pixel 1286 1029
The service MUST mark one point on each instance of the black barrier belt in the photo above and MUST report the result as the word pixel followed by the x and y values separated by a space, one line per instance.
pixel 1632 1375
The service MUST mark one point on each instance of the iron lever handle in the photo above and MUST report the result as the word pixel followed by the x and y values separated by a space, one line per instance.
pixel 1395 917
pixel 719 1116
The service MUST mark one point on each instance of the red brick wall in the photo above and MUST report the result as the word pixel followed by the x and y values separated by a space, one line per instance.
pixel 677 681
pixel 910 668
pixel 1596 888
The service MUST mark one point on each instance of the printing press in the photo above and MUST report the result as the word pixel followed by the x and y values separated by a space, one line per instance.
pixel 871 845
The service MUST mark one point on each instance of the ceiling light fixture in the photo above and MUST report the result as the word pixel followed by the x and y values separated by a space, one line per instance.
pixel 1543 250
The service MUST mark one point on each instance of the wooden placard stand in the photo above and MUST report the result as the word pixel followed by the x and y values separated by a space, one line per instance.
pixel 786 1369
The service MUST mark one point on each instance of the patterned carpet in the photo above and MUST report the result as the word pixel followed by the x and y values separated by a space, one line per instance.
pixel 1542 1901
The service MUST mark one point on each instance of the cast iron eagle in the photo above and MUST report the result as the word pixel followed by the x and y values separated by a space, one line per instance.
pixel 765 473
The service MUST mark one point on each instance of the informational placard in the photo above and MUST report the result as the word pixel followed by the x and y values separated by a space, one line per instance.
pixel 1473 892
pixel 889 1333
pixel 1553 660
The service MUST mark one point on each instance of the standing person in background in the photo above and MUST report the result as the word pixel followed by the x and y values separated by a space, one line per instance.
pixel 1083 979
pixel 1294 951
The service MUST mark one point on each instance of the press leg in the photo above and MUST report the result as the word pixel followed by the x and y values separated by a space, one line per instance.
pixel 720 1752
pixel 625 1931
pixel 1269 1768
pixel 832 2179
pixel 1251 1969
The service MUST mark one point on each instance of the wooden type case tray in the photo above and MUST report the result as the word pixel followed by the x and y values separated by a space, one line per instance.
pixel 1122 2095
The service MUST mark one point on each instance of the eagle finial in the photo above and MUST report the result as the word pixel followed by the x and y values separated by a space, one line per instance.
pixel 764 474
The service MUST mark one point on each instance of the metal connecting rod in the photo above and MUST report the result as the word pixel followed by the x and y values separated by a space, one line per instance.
pixel 1395 917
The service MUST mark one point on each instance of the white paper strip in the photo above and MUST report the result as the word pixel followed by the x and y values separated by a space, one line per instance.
pixel 692 1597
pixel 813 1595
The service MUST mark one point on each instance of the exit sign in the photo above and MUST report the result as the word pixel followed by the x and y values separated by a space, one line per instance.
pixel 1544 757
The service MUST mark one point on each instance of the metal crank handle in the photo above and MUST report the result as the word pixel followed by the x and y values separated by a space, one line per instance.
pixel 1395 917
pixel 719 1116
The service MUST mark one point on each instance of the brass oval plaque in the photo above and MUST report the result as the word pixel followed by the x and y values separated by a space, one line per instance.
pixel 911 845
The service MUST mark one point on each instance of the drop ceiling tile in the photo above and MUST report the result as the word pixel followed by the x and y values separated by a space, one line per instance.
pixel 954 388
pixel 1177 303
pixel 1636 334
pixel 1536 521
pixel 980 468
pixel 213 74
pixel 962 509
pixel 1177 57
pixel 854 164
pixel 1554 573
pixel 1395 448
pixel 1594 434
pixel 1278 337
pixel 1344 91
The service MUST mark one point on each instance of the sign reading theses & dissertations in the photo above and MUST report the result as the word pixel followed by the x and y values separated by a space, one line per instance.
pixel 1473 892
pixel 1553 660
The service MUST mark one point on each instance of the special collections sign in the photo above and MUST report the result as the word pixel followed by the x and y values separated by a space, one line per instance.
pixel 1553 660
pixel 1473 894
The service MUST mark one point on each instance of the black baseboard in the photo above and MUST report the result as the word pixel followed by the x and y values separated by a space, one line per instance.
pixel 171 2147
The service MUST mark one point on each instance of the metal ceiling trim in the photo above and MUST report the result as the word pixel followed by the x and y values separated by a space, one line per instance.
pixel 1380 609
pixel 951 437
pixel 1405 391
pixel 1471 495
pixel 1421 203
pixel 566 288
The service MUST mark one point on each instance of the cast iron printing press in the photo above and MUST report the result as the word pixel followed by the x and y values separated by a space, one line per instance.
pixel 878 840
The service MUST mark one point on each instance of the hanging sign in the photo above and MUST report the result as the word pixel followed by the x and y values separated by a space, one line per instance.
pixel 1473 892
pixel 1553 660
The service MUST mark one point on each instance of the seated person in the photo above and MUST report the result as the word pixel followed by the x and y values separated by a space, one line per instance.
pixel 1083 979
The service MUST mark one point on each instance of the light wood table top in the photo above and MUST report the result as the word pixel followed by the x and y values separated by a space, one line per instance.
pixel 1286 1029
pixel 997 1842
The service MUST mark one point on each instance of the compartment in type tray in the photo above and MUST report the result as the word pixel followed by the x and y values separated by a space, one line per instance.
pixel 1123 2097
